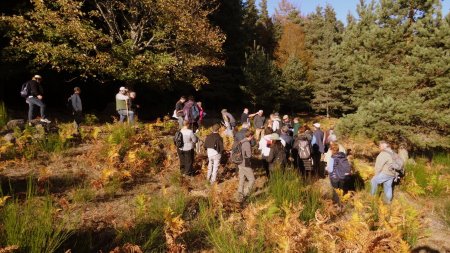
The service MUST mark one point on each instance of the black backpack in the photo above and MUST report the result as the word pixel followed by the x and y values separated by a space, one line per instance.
pixel 342 167
pixel 25 90
pixel 236 153
pixel 178 139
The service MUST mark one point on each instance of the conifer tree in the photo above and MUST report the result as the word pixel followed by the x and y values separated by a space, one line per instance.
pixel 265 29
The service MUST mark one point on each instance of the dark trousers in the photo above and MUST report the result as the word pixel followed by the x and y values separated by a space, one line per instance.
pixel 77 119
pixel 265 165
pixel 186 161
pixel 316 162
pixel 338 184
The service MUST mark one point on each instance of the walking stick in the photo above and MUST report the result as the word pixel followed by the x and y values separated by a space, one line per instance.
pixel 128 112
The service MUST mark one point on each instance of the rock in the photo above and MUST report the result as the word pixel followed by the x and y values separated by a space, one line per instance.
pixel 20 123
pixel 9 137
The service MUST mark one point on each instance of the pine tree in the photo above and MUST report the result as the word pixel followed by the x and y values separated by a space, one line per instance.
pixel 323 36
pixel 265 29
pixel 249 20
pixel 295 90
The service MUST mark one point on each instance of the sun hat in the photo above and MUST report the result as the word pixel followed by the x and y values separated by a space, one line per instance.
pixel 274 137
pixel 316 125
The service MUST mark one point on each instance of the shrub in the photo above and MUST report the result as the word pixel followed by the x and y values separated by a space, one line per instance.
pixel 83 194
pixel 147 235
pixel 90 119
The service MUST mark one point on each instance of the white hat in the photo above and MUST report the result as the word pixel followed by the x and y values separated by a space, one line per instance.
pixel 285 117
pixel 37 76
pixel 260 111
pixel 122 88
pixel 316 125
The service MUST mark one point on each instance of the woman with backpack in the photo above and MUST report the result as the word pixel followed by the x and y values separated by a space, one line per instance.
pixel 277 154
pixel 302 145
pixel 339 170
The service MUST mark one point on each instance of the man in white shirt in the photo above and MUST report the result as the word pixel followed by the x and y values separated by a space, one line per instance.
pixel 123 104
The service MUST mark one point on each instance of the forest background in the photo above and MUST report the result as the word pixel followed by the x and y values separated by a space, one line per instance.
pixel 386 71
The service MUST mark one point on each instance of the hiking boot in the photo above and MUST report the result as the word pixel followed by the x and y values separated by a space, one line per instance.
pixel 46 121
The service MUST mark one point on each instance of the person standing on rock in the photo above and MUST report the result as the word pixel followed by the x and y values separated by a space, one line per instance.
pixel 178 113
pixel 77 108
pixel 245 170
pixel 35 96
pixel 214 148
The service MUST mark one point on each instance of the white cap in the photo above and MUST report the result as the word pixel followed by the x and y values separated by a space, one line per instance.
pixel 37 77
pixel 316 125
pixel 122 88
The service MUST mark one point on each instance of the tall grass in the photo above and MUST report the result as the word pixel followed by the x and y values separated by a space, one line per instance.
pixel 31 225
pixel 285 186
pixel 311 200
pixel 442 159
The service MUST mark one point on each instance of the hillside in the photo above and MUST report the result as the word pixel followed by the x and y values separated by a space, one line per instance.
pixel 119 189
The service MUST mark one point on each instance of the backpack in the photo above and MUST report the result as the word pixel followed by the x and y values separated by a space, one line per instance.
pixel 25 90
pixel 342 167
pixel 397 166
pixel 236 153
pixel 178 139
pixel 304 150
pixel 195 112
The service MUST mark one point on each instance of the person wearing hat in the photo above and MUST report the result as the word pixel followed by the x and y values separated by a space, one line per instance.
pixel 123 106
pixel 229 122
pixel 288 123
pixel 318 147
pixel 35 97
pixel 214 148
pixel 277 154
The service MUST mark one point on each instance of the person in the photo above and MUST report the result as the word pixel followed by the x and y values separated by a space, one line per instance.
pixel 339 170
pixel 328 154
pixel 303 153
pixel 383 174
pixel 258 123
pixel 191 113
pixel 329 136
pixel 245 170
pixel 186 153
pixel 403 152
pixel 178 113
pixel 123 106
pixel 214 148
pixel 277 154
pixel 276 123
pixel 317 147
pixel 133 104
pixel 202 113
pixel 35 97
pixel 77 108
pixel 264 147
pixel 229 122
pixel 296 126
pixel 286 140
pixel 240 135
pixel 287 122
pixel 245 116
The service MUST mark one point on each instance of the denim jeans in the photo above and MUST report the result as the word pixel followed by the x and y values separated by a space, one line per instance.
pixel 387 182
pixel 124 113
pixel 35 102
pixel 213 166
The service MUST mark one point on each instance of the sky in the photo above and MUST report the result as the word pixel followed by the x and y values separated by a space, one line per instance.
pixel 342 7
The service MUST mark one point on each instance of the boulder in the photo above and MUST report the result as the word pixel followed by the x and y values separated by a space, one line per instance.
pixel 12 124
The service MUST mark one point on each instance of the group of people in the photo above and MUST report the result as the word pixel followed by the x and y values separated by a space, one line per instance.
pixel 189 110
pixel 33 93
pixel 279 142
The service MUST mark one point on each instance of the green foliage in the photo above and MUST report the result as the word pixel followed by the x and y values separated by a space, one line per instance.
pixel 148 236
pixel 31 224
pixel 311 200
pixel 261 78
pixel 285 186
pixel 120 134
pixel 83 194
pixel 154 43
pixel 90 119
pixel 294 81
pixel 411 225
